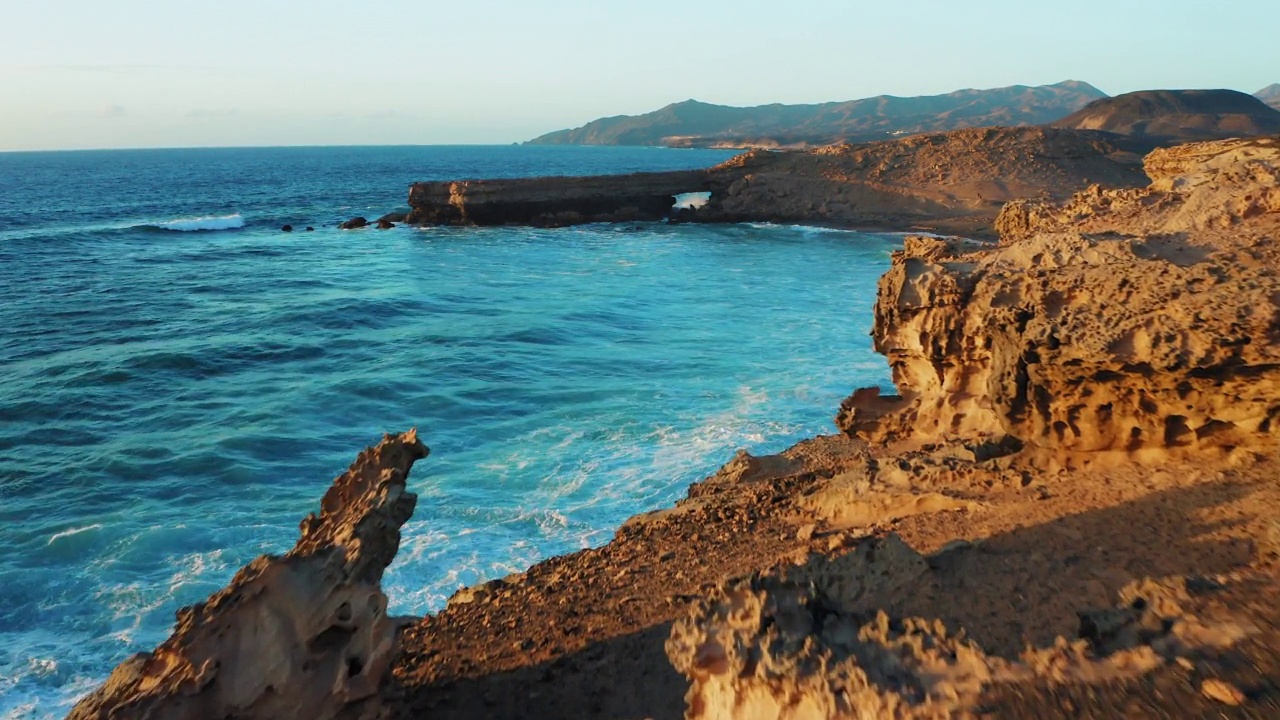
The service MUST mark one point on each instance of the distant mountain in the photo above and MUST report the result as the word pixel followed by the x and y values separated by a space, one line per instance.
pixel 1270 95
pixel 1177 115
pixel 702 124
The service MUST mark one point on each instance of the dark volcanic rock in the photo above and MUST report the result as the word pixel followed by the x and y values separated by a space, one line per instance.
pixel 354 223
pixel 1171 116
pixel 385 224
pixel 551 201
pixel 287 228
pixel 394 217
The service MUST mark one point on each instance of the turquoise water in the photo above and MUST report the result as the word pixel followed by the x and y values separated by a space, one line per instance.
pixel 174 402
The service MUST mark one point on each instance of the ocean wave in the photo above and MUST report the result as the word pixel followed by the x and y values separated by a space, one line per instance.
pixel 196 224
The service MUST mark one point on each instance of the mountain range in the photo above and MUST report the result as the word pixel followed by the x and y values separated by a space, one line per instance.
pixel 697 124
pixel 1270 95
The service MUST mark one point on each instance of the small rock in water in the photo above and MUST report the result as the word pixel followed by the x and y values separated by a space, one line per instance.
pixel 310 229
pixel 385 224
pixel 353 223
pixel 287 228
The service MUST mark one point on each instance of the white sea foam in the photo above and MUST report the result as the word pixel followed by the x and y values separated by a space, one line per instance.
pixel 210 222
pixel 73 531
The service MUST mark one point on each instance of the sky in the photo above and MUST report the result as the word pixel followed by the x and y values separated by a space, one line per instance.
pixel 174 73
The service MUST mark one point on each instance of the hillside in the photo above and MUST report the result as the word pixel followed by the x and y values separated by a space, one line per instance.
pixel 1177 115
pixel 693 123
pixel 953 182
pixel 1270 95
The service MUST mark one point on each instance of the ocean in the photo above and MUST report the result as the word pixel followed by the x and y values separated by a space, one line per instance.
pixel 181 380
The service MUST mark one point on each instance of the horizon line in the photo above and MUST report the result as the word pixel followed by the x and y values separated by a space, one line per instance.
pixel 15 151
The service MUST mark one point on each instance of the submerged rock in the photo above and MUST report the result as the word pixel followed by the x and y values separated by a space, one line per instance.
pixel 303 635
pixel 353 224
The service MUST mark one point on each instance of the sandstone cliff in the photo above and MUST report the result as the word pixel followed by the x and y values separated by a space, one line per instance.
pixel 303 635
pixel 1133 321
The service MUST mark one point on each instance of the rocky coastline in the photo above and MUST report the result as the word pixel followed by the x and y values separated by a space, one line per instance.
pixel 1069 509
pixel 953 182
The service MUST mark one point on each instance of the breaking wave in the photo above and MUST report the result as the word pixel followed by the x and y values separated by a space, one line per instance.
pixel 196 224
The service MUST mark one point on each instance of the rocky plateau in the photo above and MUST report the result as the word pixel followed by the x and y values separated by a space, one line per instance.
pixel 1068 508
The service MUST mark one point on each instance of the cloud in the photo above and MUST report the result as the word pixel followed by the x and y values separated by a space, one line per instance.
pixel 111 111
pixel 207 114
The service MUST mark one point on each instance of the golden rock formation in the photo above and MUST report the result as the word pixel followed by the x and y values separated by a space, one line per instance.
pixel 303 635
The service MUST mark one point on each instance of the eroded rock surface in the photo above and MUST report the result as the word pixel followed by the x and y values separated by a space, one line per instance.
pixel 303 635
pixel 776 647
pixel 1136 321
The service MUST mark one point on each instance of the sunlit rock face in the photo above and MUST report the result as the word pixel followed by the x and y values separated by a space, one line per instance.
pixel 1137 321
pixel 305 634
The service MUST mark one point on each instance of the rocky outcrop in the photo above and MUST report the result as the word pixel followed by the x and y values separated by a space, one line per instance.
pixel 1171 116
pixel 303 635
pixel 1137 321
pixel 551 201
pixel 354 223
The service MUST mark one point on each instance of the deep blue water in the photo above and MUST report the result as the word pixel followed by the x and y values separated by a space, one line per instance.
pixel 173 403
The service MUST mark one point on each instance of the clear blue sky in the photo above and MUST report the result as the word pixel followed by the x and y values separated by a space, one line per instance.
pixel 166 73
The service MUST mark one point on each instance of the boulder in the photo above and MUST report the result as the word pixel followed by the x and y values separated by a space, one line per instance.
pixel 353 224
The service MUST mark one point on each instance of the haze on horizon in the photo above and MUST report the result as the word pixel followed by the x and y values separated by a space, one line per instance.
pixel 153 73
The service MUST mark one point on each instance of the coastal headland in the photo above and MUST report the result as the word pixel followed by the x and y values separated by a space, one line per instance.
pixel 953 182
pixel 1068 509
